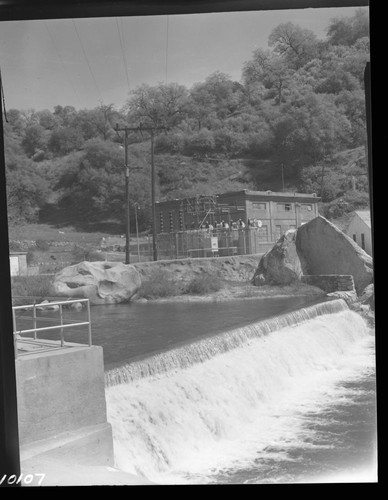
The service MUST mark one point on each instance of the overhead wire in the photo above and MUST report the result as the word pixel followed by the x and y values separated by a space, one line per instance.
pixel 122 45
pixel 3 97
pixel 87 62
pixel 62 63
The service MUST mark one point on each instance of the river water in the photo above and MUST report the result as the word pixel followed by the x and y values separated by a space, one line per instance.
pixel 244 392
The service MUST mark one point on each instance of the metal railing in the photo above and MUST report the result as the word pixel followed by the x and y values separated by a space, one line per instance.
pixel 61 326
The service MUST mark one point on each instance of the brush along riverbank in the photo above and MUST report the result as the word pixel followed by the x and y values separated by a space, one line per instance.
pixel 210 279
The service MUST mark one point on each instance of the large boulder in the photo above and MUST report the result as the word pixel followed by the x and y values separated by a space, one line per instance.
pixel 281 265
pixel 100 282
pixel 327 250
pixel 315 248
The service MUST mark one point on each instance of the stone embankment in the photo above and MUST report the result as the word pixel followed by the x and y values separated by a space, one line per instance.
pixel 237 268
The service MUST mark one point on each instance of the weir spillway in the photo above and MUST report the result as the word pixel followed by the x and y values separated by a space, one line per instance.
pixel 201 350
pixel 239 400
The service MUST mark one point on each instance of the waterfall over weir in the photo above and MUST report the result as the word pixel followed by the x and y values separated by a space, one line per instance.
pixel 204 349
pixel 243 400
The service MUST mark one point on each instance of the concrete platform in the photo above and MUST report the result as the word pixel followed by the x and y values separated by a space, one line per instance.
pixel 62 411
pixel 31 346
pixel 58 472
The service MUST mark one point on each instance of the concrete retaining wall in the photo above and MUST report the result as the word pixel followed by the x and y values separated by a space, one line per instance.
pixel 330 282
pixel 61 400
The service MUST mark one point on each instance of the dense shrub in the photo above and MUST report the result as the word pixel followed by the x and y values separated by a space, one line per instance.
pixel 202 285
pixel 42 245
pixel 160 283
pixel 352 200
pixel 79 254
pixel 200 143
pixel 31 287
pixel 15 246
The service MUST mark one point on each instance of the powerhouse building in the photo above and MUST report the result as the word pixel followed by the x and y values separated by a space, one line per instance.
pixel 272 213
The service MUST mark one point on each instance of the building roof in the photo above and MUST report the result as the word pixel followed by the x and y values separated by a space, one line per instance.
pixel 247 192
pixel 250 192
pixel 343 222
pixel 365 216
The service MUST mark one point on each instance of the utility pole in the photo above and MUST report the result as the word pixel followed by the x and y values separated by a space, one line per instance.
pixel 154 246
pixel 151 131
pixel 136 205
pixel 127 214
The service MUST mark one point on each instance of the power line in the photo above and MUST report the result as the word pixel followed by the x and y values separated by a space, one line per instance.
pixel 62 63
pixel 123 54
pixel 87 62
pixel 3 97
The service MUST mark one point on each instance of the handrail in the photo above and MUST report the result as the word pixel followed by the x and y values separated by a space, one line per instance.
pixel 61 325
pixel 40 306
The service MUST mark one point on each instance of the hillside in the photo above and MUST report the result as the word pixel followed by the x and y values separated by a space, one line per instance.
pixel 294 121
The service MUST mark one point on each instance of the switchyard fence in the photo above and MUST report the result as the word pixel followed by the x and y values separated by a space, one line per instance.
pixel 194 244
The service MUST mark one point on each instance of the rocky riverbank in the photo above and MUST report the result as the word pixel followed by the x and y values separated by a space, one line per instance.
pixel 243 291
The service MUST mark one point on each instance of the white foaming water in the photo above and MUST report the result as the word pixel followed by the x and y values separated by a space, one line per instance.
pixel 226 401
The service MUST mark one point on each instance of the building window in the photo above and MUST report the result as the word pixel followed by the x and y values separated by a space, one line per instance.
pixel 363 241
pixel 355 238
pixel 161 226
pixel 278 231
pixel 263 233
pixel 306 206
pixel 259 206
pixel 286 207
pixel 292 226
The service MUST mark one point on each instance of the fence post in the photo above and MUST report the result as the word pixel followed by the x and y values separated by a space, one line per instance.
pixel 89 325
pixel 61 323
pixel 14 334
pixel 34 318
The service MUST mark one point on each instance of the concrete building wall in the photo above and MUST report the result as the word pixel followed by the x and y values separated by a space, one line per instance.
pixel 277 212
pixel 361 233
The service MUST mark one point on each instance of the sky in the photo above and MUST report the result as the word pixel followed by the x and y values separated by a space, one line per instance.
pixel 88 62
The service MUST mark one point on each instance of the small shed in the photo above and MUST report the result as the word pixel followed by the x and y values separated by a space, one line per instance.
pixel 18 263
pixel 360 230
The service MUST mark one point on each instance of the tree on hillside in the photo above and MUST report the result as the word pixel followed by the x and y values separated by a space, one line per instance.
pixel 294 44
pixel 34 140
pixel 158 106
pixel 63 140
pixel 217 97
pixel 65 115
pixel 268 70
pixel 48 120
pixel 103 119
pixel 306 134
pixel 347 30
pixel 17 121
pixel 26 191
pixel 94 185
